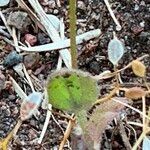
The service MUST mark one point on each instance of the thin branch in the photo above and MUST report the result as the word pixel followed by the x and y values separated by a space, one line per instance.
pixel 112 15
pixel 67 133
pixel 136 110
pixel 138 141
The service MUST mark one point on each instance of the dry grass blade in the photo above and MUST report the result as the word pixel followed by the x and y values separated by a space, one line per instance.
pixel 15 39
pixel 112 15
pixel 5 23
pixel 61 44
pixel 45 20
pixel 48 115
pixel 136 110
pixel 52 32
pixel 18 90
pixel 28 78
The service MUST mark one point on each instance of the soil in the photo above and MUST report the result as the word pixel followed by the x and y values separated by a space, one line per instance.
pixel 134 17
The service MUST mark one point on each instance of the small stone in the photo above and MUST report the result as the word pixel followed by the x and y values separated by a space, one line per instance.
pixel 81 5
pixel 136 7
pixel 31 60
pixel 136 29
pixel 19 20
pixel 2 81
pixel 12 97
pixel 142 24
pixel 43 39
pixel 55 11
pixel 95 67
pixel 91 27
pixel 31 39
pixel 144 36
pixel 52 4
pixel 12 59
pixel 79 31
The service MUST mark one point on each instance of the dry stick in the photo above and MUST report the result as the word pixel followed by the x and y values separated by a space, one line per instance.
pixel 52 32
pixel 109 74
pixel 45 124
pixel 136 110
pixel 5 141
pixel 15 39
pixel 112 15
pixel 145 82
pixel 109 96
pixel 2 32
pixel 135 124
pixel 138 141
pixel 60 128
pixel 124 136
pixel 67 133
pixel 5 23
pixel 62 36
pixel 144 113
pixel 28 78
pixel 144 126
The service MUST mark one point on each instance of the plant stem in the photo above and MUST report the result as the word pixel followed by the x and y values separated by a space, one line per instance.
pixel 72 17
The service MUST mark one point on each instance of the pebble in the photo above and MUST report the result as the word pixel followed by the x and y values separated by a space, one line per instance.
pixel 144 36
pixel 19 20
pixel 142 24
pixel 136 7
pixel 95 67
pixel 79 31
pixel 51 4
pixel 12 59
pixel 31 39
pixel 43 39
pixel 11 97
pixel 2 81
pixel 55 11
pixel 31 60
pixel 81 5
pixel 136 29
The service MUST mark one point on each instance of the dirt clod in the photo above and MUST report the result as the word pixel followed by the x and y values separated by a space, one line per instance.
pixel 19 20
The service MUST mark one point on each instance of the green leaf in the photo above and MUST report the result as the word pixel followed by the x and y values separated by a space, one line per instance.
pixel 58 93
pixel 72 92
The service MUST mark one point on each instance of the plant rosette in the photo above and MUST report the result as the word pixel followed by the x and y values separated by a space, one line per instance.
pixel 71 90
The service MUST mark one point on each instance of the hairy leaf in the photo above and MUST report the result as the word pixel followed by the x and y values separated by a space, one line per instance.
pixel 71 91
pixel 115 50
pixel 138 68
pixel 135 93
pixel 102 116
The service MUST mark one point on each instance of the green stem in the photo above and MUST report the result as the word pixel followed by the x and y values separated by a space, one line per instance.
pixel 72 17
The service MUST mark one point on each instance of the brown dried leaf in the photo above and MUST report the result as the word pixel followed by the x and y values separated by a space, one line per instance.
pixel 138 68
pixel 135 93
